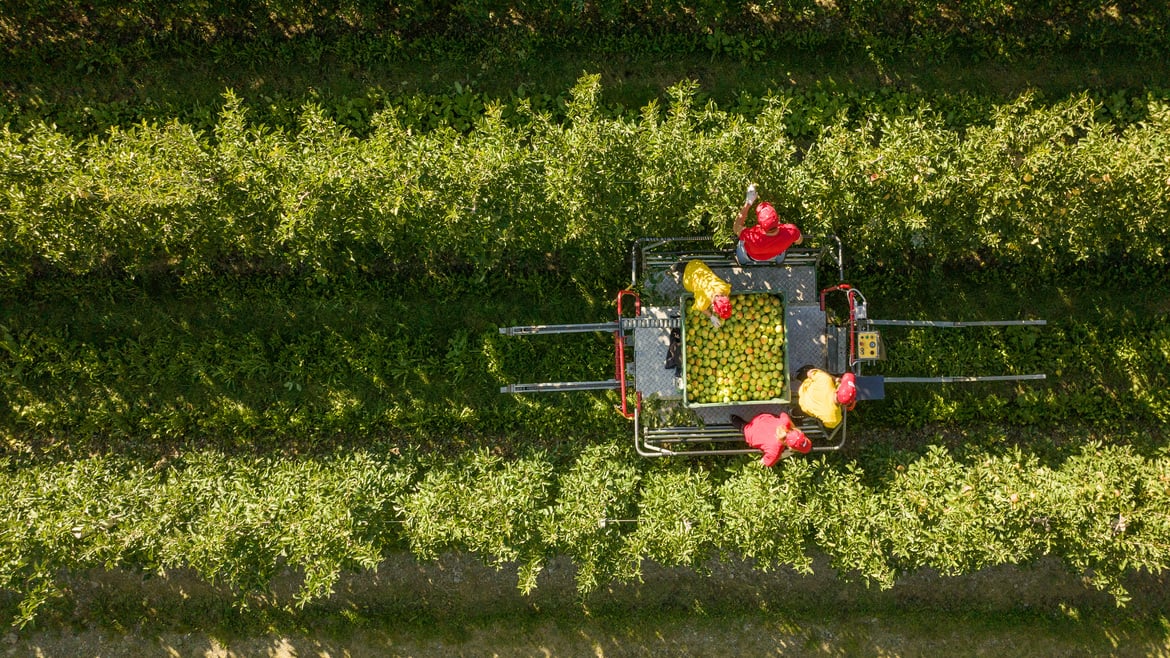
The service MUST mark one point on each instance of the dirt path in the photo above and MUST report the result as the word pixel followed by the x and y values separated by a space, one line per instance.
pixel 455 607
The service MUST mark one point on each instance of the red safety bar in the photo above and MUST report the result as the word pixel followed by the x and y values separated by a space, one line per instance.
pixel 619 341
pixel 849 295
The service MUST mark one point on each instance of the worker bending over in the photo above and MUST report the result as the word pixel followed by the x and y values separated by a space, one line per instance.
pixel 777 436
pixel 822 395
pixel 712 294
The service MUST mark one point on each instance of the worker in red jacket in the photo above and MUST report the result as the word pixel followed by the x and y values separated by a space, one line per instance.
pixel 765 240
pixel 775 435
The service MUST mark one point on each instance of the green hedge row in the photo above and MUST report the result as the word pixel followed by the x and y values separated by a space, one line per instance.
pixel 1048 186
pixel 110 32
pixel 239 522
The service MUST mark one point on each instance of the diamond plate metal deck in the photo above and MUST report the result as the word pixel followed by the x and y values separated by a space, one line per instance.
pixel 650 346
pixel 806 336
pixel 796 277
pixel 721 414
pixel 799 284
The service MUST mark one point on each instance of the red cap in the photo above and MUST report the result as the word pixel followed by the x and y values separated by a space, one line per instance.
pixel 766 217
pixel 796 440
pixel 722 306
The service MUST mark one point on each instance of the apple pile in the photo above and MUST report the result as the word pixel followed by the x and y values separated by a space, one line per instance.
pixel 742 360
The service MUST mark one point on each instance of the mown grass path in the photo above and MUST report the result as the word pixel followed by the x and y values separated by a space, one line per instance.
pixel 455 606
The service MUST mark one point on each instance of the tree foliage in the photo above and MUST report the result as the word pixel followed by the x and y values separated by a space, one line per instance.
pixel 1046 186
pixel 240 522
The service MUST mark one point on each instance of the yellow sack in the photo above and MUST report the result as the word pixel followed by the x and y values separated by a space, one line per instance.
pixel 818 398
pixel 704 284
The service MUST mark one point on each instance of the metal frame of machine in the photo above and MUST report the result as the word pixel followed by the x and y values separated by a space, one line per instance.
pixel 652 395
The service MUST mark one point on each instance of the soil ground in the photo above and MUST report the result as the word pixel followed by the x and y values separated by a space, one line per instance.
pixel 457 607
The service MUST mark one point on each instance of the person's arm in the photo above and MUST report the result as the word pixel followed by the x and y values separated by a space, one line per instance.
pixel 713 318
pixel 748 200
pixel 738 226
pixel 772 453
pixel 799 233
pixel 771 456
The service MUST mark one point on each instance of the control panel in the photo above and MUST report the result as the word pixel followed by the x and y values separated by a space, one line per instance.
pixel 870 346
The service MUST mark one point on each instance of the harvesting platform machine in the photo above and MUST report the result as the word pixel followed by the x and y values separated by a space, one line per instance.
pixel 669 419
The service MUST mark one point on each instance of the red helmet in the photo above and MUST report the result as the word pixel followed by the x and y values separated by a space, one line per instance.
pixel 766 217
pixel 722 306
pixel 796 440
pixel 847 389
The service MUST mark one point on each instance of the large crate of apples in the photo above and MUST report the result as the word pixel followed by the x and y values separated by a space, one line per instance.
pixel 742 361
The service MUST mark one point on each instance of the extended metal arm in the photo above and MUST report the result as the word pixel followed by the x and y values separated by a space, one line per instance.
pixel 617 328
pixel 603 385
pixel 529 330
pixel 951 380
pixel 948 323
